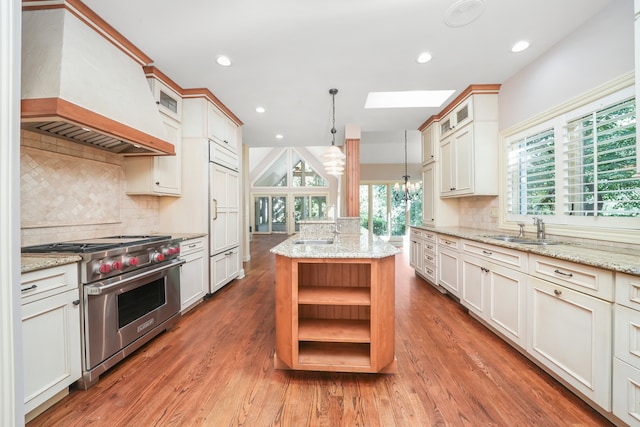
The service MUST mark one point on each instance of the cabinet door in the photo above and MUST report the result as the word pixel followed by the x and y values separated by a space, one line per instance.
pixel 428 145
pixel 192 279
pixel 428 194
pixel 463 161
pixel 215 123
pixel 447 167
pixel 570 333
pixel 415 253
pixel 449 272
pixel 506 296
pixel 218 274
pixel 167 169
pixel 225 209
pixel 51 347
pixel 473 285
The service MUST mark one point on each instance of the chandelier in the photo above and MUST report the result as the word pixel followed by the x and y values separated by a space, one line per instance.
pixel 333 158
pixel 408 191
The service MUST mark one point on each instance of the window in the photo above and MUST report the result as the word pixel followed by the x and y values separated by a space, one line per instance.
pixel 531 179
pixel 384 214
pixel 600 160
pixel 577 167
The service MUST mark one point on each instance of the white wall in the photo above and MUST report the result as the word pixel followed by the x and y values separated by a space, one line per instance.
pixel 599 51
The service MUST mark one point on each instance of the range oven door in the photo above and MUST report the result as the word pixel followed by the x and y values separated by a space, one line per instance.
pixel 120 310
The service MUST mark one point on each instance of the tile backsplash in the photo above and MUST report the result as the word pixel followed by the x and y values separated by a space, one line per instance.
pixel 71 191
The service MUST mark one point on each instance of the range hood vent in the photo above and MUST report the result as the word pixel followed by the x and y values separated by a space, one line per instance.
pixel 84 82
pixel 77 133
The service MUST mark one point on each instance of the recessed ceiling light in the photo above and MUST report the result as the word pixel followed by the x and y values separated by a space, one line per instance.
pixel 260 109
pixel 407 99
pixel 464 12
pixel 279 136
pixel 520 46
pixel 423 58
pixel 223 60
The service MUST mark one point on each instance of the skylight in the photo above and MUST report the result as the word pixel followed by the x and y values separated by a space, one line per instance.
pixel 407 99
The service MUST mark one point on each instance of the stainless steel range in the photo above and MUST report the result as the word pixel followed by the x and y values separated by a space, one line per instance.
pixel 131 293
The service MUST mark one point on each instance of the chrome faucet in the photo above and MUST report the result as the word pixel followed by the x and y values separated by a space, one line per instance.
pixel 539 227
pixel 521 233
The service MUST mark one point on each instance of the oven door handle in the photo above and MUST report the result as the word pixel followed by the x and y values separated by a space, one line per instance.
pixel 100 289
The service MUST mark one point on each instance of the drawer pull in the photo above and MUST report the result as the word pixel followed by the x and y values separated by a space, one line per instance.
pixel 558 292
pixel 29 288
pixel 430 258
pixel 76 302
pixel 429 247
pixel 487 252
pixel 446 242
pixel 562 273
pixel 486 270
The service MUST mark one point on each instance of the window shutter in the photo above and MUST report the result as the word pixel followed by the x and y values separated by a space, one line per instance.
pixel 600 160
pixel 531 174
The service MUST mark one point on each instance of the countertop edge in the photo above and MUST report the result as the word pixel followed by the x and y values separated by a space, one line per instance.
pixel 621 262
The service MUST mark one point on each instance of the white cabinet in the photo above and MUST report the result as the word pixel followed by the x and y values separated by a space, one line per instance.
pixel 50 335
pixel 220 128
pixel 449 264
pixel 493 292
pixel 193 273
pixel 157 175
pixel 429 144
pixel 225 266
pixel 168 100
pixel 423 254
pixel 225 208
pixel 428 194
pixel 626 363
pixel 570 334
pixel 416 244
pixel 469 148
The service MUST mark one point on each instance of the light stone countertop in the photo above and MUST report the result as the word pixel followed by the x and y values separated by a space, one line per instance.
pixel 186 236
pixel 622 260
pixel 33 262
pixel 361 245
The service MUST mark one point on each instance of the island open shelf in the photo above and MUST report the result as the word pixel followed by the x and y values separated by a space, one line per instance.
pixel 335 314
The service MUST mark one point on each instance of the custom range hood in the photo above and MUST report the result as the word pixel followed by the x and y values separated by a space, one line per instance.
pixel 84 82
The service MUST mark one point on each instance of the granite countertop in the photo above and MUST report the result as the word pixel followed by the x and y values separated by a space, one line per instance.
pixel 361 245
pixel 187 236
pixel 33 262
pixel 610 258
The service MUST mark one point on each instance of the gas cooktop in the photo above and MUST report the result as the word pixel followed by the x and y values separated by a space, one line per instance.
pixel 94 244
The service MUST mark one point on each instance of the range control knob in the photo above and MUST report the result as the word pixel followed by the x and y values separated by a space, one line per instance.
pixel 104 268
pixel 131 261
pixel 116 265
pixel 157 257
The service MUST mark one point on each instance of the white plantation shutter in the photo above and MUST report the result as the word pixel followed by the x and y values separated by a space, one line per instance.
pixel 531 174
pixel 599 161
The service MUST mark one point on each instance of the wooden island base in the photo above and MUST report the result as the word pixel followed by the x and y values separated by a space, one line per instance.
pixel 335 314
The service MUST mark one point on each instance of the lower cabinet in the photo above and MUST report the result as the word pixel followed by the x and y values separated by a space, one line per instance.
pixel 570 333
pixel 50 335
pixel 448 265
pixel 224 267
pixel 193 273
pixel 497 295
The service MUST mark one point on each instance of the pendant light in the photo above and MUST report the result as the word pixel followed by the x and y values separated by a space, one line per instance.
pixel 333 157
pixel 409 190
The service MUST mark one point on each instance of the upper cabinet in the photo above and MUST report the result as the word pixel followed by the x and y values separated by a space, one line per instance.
pixel 221 129
pixel 469 146
pixel 160 175
pixel 429 144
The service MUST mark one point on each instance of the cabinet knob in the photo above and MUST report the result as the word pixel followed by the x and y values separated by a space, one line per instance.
pixel 157 182
pixel 558 292
pixel 76 302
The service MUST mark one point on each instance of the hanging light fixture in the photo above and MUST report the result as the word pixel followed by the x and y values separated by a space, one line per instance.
pixel 409 190
pixel 333 158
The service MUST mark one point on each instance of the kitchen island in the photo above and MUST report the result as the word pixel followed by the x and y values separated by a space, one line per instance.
pixel 335 303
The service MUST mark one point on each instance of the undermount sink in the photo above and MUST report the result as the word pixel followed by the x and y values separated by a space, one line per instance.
pixel 525 241
pixel 314 242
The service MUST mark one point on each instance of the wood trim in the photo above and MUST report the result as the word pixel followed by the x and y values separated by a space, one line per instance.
pixel 470 90
pixel 208 95
pixel 352 177
pixel 93 20
pixel 154 72
pixel 56 108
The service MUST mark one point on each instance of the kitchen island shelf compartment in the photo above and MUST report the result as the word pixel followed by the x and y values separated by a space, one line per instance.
pixel 335 314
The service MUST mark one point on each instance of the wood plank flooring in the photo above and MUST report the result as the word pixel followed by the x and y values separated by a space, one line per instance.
pixel 215 368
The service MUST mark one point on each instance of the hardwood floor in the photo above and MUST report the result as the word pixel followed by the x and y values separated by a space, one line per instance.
pixel 215 368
